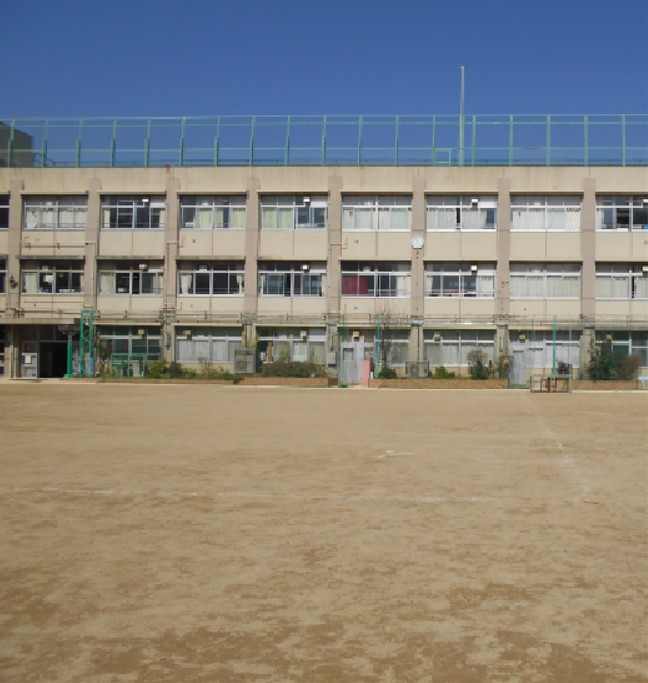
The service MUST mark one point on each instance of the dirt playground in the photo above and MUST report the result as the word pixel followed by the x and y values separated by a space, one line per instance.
pixel 217 534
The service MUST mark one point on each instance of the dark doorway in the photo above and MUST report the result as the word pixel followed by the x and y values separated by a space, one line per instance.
pixel 52 359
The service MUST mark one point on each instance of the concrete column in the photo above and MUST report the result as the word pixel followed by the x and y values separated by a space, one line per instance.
pixel 588 249
pixel 333 270
pixel 170 268
pixel 92 244
pixel 417 300
pixel 502 309
pixel 14 236
pixel 251 286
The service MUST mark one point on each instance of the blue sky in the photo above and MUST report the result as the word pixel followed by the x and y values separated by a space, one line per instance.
pixel 195 57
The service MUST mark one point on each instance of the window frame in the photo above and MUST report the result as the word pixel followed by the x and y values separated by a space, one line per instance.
pixel 116 209
pixel 464 207
pixel 378 211
pixel 227 206
pixel 4 211
pixel 542 207
pixel 544 274
pixel 612 204
pixel 439 276
pixel 125 278
pixel 376 280
pixel 36 207
pixel 290 279
pixel 231 270
pixel 633 275
pixel 295 205
pixel 48 277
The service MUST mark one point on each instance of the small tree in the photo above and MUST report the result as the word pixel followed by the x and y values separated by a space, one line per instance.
pixel 476 366
pixel 605 364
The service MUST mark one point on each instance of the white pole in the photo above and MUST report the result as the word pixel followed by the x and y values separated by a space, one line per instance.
pixel 461 120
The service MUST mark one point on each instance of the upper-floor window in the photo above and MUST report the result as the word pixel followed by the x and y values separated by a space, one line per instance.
pixel 545 280
pixel 555 212
pixel 212 212
pixel 131 279
pixel 211 279
pixel 381 212
pixel 128 213
pixel 622 213
pixel 285 278
pixel 56 213
pixel 460 279
pixel 61 277
pixel 621 281
pixel 376 279
pixel 468 212
pixel 4 211
pixel 3 275
pixel 294 213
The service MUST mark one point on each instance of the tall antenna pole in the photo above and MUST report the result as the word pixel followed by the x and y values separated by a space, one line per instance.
pixel 461 121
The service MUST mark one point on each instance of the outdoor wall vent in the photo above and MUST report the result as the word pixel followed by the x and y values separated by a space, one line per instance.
pixel 143 266
pixel 437 336
pixel 522 337
pixel 608 337
pixel 473 268
pixel 141 332
pixel 187 333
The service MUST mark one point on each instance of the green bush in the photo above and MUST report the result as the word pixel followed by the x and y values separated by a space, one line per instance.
pixel 157 369
pixel 478 370
pixel 441 373
pixel 605 364
pixel 387 373
pixel 292 368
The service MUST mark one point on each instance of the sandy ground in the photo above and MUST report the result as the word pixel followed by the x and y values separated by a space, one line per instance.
pixel 217 534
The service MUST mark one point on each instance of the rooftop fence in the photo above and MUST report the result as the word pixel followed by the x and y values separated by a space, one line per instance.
pixel 488 140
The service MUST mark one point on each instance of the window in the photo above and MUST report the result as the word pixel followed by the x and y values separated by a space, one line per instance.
pixel 3 275
pixel 291 343
pixel 294 213
pixel 376 279
pixel 550 213
pixel 460 279
pixel 4 211
pixel 119 345
pixel 56 213
pixel 292 279
pixel 621 281
pixel 538 347
pixel 451 347
pixel 57 278
pixel 381 212
pixel 211 279
pixel 212 213
pixel 134 279
pixel 128 213
pixel 545 281
pixel 625 343
pixel 207 344
pixel 622 213
pixel 470 212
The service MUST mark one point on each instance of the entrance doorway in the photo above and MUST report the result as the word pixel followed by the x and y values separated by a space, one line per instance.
pixel 53 359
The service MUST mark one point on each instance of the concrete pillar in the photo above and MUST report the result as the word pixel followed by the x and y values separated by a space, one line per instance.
pixel 13 238
pixel 170 268
pixel 251 265
pixel 417 295
pixel 588 250
pixel 333 270
pixel 502 292
pixel 92 234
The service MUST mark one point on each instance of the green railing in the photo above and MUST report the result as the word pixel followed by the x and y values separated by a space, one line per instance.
pixel 489 140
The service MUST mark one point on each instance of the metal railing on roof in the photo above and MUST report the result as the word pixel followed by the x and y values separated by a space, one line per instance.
pixel 490 140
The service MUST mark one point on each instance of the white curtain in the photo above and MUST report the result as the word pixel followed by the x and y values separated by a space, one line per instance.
pixel 441 218
pixel 203 218
pixel 641 286
pixel 473 219
pixel 107 283
pixel 185 283
pixel 30 283
pixel 237 217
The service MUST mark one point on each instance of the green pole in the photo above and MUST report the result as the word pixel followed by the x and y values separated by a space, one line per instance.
pixel 70 354
pixel 377 349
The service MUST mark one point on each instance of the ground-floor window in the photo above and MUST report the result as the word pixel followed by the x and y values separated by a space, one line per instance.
pixel 125 350
pixel 292 343
pixel 626 344
pixel 538 347
pixel 207 345
pixel 450 348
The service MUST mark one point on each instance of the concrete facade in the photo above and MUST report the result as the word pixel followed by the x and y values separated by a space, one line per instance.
pixel 359 287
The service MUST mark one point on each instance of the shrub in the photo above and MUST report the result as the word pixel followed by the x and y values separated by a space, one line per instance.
pixel 605 364
pixel 441 373
pixel 292 368
pixel 157 369
pixel 387 373
pixel 476 366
